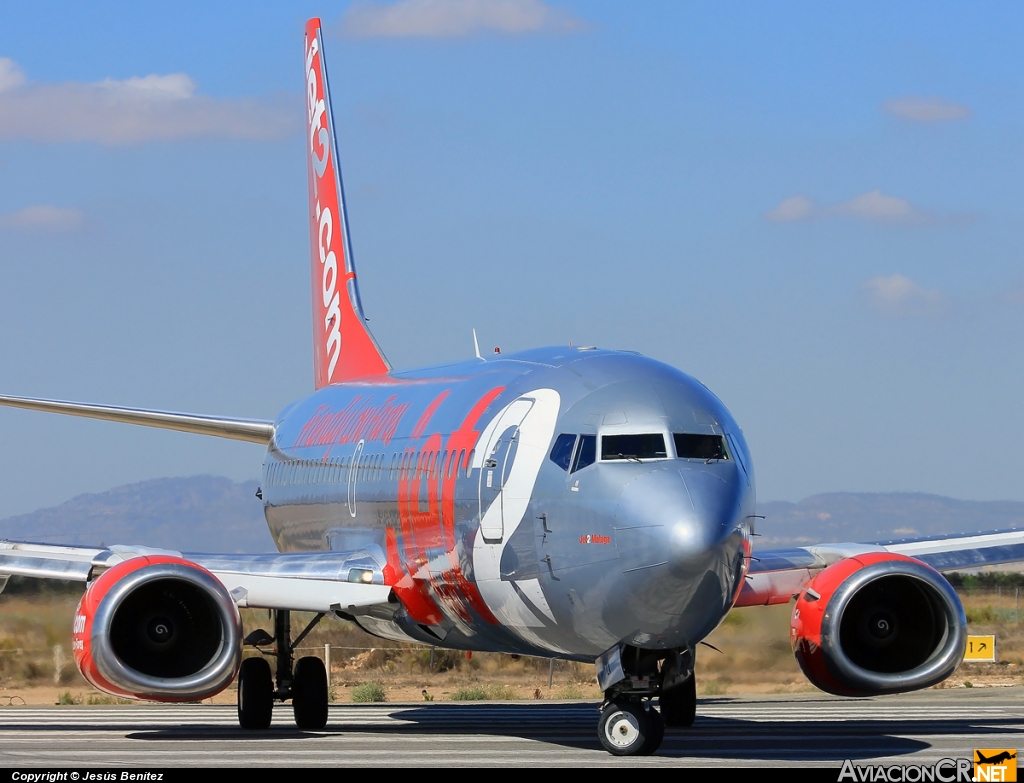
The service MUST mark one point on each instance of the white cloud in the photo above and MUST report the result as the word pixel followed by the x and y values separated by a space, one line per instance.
pixel 455 18
pixel 792 210
pixel 918 109
pixel 899 295
pixel 880 208
pixel 874 206
pixel 126 111
pixel 43 217
pixel 10 74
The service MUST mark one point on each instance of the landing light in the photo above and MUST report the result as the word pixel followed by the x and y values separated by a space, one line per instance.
pixel 360 575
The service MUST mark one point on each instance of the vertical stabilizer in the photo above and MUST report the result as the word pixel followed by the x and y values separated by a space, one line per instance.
pixel 343 347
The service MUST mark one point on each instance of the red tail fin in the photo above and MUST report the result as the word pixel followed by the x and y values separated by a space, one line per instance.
pixel 343 347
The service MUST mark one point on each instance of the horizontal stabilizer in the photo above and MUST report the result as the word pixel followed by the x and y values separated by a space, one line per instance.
pixel 252 430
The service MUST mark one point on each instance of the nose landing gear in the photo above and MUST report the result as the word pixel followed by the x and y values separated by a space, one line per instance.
pixel 630 728
pixel 629 724
pixel 305 682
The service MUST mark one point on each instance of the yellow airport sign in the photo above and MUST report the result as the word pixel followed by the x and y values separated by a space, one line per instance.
pixel 981 649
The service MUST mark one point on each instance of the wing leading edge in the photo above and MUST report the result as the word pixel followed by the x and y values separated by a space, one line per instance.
pixel 251 430
pixel 348 582
pixel 775 576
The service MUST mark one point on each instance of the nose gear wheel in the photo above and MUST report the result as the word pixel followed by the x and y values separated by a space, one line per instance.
pixel 628 729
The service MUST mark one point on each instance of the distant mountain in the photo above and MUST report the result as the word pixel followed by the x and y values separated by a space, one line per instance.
pixel 215 514
pixel 193 514
pixel 868 516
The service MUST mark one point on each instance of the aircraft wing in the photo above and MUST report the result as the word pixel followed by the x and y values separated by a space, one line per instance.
pixel 251 430
pixel 304 581
pixel 775 576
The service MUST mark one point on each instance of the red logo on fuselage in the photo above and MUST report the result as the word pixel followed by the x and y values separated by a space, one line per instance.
pixel 358 421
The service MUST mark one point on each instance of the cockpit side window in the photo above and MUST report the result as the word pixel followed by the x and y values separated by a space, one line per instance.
pixel 633 447
pixel 694 446
pixel 586 452
pixel 561 452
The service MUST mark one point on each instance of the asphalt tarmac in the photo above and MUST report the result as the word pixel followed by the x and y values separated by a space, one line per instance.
pixel 778 730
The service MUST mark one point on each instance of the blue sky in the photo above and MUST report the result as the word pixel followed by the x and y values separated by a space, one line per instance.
pixel 817 211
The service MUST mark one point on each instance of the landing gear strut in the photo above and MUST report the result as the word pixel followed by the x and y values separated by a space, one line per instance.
pixel 304 682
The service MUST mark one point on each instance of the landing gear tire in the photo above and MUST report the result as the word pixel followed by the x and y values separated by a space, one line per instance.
pixel 627 729
pixel 679 705
pixel 655 732
pixel 255 694
pixel 309 693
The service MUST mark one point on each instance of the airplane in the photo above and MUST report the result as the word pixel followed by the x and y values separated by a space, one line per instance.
pixel 569 502
pixel 996 759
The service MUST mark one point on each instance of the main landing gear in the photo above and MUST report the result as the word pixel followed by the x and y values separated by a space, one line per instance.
pixel 304 682
pixel 630 725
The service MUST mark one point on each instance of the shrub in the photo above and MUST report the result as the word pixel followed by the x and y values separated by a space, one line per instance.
pixel 444 660
pixel 715 687
pixel 469 694
pixel 981 615
pixel 571 691
pixel 369 691
pixel 501 693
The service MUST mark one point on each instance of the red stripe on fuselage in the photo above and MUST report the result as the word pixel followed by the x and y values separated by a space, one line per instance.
pixel 428 414
pixel 464 438
pixel 415 534
pixel 433 529
pixel 411 592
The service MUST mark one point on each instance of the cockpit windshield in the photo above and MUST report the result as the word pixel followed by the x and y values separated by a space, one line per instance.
pixel 706 447
pixel 633 447
pixel 561 452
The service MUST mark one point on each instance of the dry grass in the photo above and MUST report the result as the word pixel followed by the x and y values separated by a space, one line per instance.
pixel 755 657
pixel 31 626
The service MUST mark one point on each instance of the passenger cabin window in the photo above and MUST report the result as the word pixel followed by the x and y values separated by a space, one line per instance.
pixel 706 447
pixel 561 452
pixel 586 452
pixel 633 447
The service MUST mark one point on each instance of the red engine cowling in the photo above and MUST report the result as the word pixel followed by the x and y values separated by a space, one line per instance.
pixel 878 623
pixel 160 628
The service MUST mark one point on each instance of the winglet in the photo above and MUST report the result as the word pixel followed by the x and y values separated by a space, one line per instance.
pixel 343 347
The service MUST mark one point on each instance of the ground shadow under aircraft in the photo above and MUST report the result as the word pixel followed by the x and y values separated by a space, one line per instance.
pixel 573 725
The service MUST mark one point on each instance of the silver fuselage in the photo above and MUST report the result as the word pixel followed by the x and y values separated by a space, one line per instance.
pixel 445 478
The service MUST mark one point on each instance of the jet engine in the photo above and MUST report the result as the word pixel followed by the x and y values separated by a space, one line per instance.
pixel 160 628
pixel 878 623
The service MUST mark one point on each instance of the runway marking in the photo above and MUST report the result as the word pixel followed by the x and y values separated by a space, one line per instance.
pixel 919 728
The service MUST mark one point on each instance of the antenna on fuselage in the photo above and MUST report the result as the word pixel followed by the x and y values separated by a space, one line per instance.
pixel 476 345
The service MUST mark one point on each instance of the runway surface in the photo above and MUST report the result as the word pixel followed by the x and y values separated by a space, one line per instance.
pixel 783 730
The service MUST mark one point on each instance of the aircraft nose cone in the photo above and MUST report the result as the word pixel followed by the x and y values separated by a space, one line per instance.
pixel 679 519
pixel 679 547
pixel 707 532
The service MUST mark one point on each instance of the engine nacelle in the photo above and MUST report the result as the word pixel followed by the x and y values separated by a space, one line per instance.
pixel 878 623
pixel 160 628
